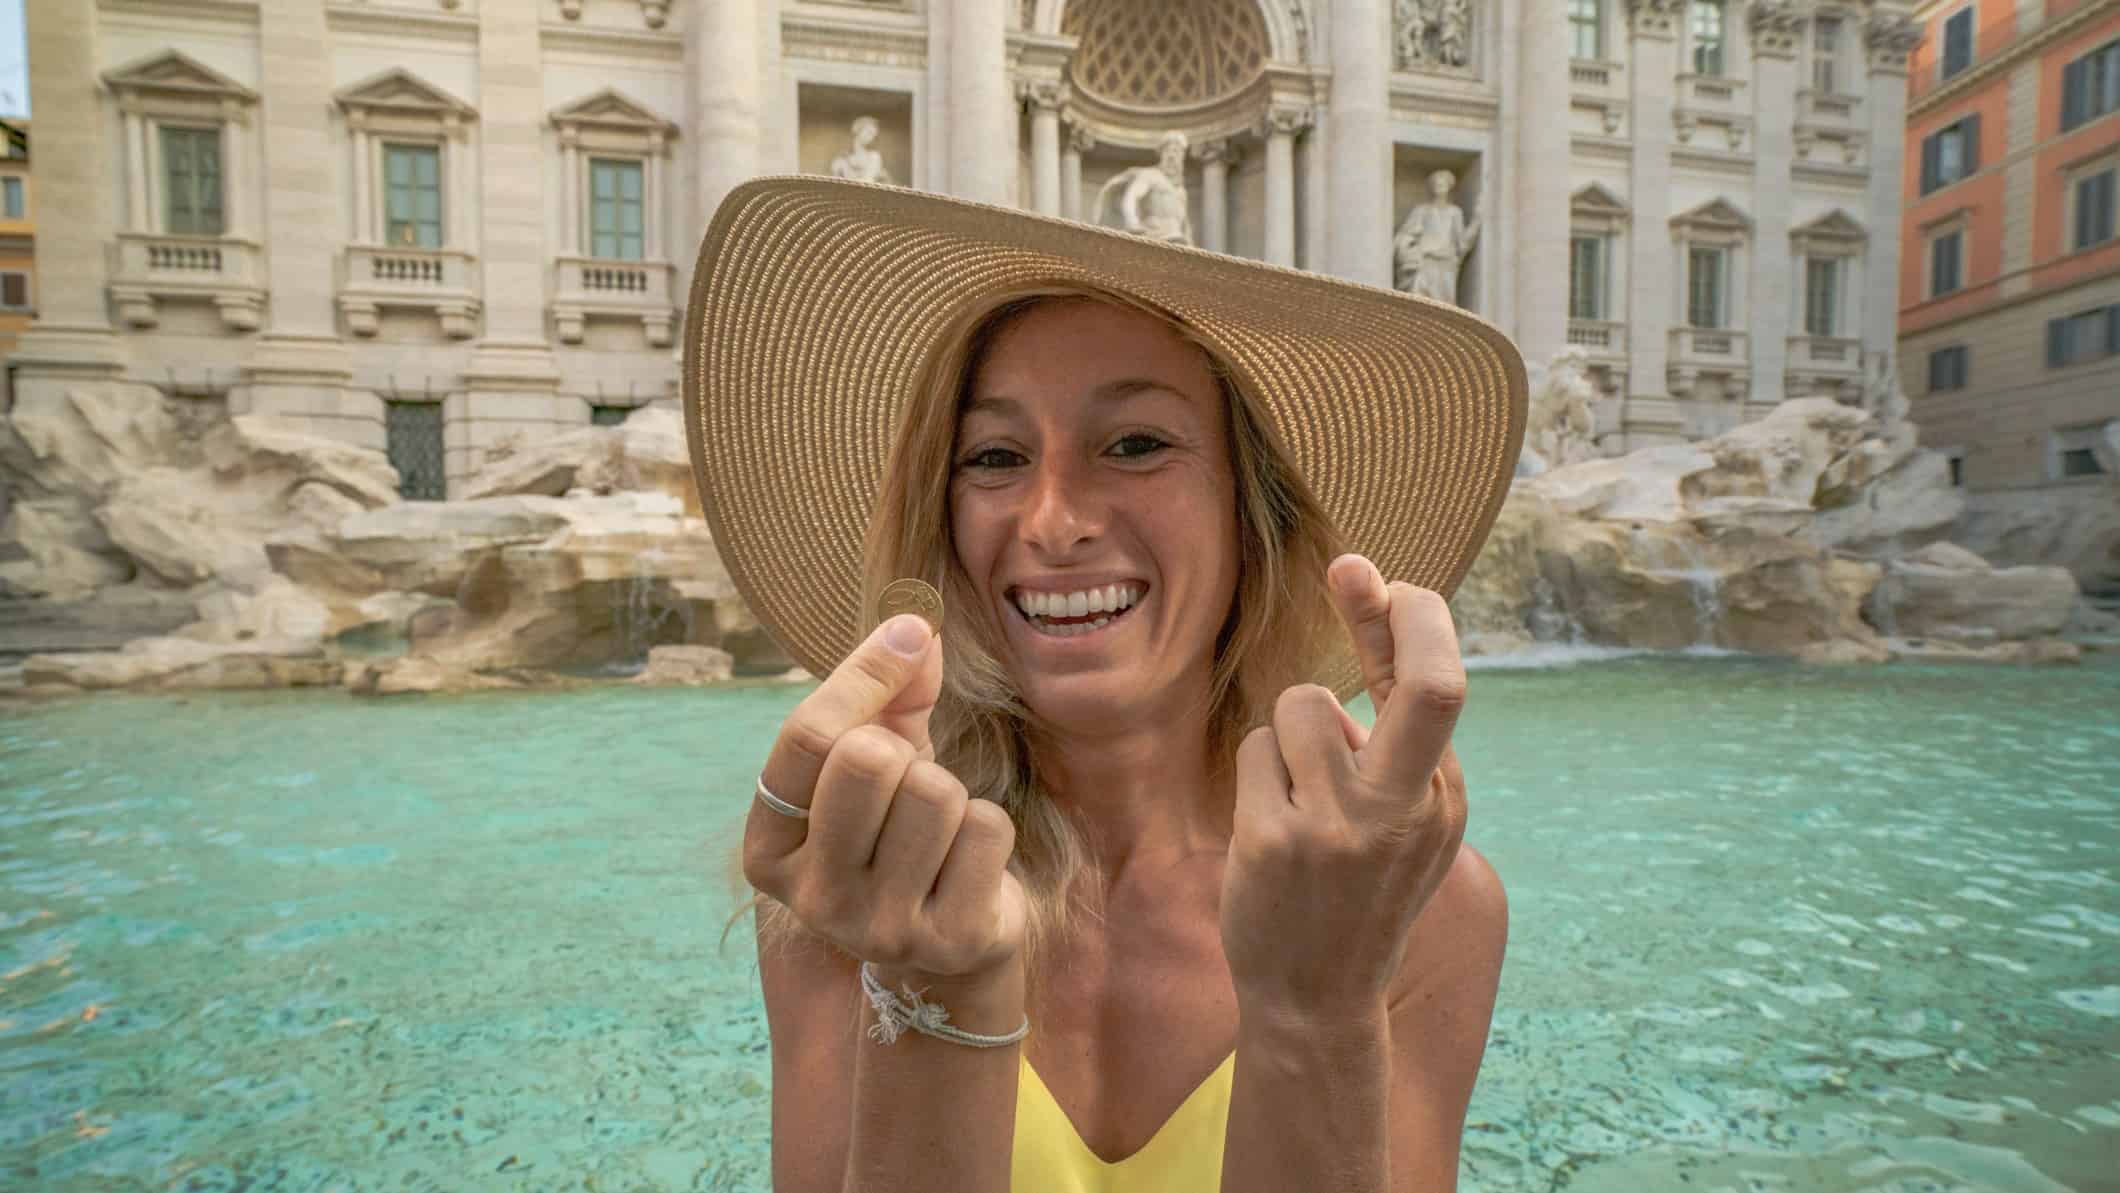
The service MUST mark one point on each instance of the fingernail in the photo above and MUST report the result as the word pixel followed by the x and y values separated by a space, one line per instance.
pixel 1342 573
pixel 907 634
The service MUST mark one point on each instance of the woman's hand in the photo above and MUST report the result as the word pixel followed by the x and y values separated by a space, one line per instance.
pixel 1342 834
pixel 895 864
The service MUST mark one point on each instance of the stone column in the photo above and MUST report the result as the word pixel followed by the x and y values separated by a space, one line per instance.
pixel 135 173
pixel 1776 29
pixel 364 230
pixel 1044 97
pixel 1652 65
pixel 1079 142
pixel 651 187
pixel 298 369
pixel 570 178
pixel 1312 167
pixel 511 385
pixel 1214 195
pixel 235 180
pixel 71 342
pixel 1538 224
pixel 982 121
pixel 721 52
pixel 1361 141
pixel 1889 38
pixel 1280 128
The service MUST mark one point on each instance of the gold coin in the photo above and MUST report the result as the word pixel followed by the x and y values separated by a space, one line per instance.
pixel 912 596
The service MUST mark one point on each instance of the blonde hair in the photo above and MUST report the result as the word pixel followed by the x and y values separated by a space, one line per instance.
pixel 1280 630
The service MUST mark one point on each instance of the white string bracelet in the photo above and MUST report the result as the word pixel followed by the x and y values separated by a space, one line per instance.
pixel 895 1015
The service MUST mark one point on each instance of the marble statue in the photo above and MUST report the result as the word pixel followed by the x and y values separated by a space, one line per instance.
pixel 1431 33
pixel 1561 426
pixel 861 162
pixel 1432 243
pixel 1151 200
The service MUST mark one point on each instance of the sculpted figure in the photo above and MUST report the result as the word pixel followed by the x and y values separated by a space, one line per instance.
pixel 1151 199
pixel 861 162
pixel 1432 243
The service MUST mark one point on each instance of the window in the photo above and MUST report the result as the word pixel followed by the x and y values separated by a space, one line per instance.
pixel 609 416
pixel 1821 296
pixel 14 290
pixel 1945 274
pixel 1704 286
pixel 1586 277
pixel 2094 208
pixel 1957 42
pixel 2075 451
pixel 191 181
pixel 413 433
pixel 11 200
pixel 2085 335
pixel 1950 153
pixel 2090 86
pixel 615 209
pixel 1586 19
pixel 412 196
pixel 1957 462
pixel 1707 28
pixel 1947 368
pixel 1825 55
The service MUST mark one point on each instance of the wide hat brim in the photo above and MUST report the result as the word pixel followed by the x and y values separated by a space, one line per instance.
pixel 816 301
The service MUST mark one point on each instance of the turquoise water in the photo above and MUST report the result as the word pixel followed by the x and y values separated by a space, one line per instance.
pixel 1772 928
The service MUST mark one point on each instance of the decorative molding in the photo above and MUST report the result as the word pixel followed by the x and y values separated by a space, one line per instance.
pixel 1890 38
pixel 1042 95
pixel 1288 120
pixel 1418 97
pixel 1835 230
pixel 172 74
pixel 1655 18
pixel 1777 26
pixel 1611 112
pixel 605 43
pixel 2025 46
pixel 1717 220
pixel 1432 36
pixel 1597 209
pixel 614 110
pixel 343 17
pixel 399 92
pixel 871 39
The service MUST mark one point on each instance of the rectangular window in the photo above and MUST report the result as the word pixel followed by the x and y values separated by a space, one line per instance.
pixel 11 202
pixel 1586 277
pixel 1704 287
pixel 1825 55
pixel 412 196
pixel 1950 153
pixel 14 290
pixel 2094 208
pixel 1957 470
pixel 1821 296
pixel 191 181
pixel 1945 274
pixel 609 416
pixel 1947 368
pixel 615 209
pixel 2090 86
pixel 2085 335
pixel 1587 19
pixel 1707 29
pixel 413 436
pixel 2075 451
pixel 1957 42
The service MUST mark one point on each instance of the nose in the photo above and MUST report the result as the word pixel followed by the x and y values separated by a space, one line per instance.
pixel 1061 509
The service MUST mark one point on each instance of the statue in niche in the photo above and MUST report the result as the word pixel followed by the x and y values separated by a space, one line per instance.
pixel 1432 33
pixel 1151 200
pixel 1432 243
pixel 861 162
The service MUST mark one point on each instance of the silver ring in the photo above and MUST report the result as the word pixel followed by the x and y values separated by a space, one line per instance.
pixel 778 804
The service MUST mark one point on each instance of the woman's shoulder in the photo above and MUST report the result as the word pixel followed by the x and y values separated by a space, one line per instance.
pixel 1461 933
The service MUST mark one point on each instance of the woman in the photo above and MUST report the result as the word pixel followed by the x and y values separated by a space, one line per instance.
pixel 1192 925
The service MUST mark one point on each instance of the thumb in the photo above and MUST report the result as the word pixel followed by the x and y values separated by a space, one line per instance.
pixel 907 712
pixel 1363 601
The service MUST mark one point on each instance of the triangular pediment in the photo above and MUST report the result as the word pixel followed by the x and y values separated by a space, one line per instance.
pixel 1718 214
pixel 399 90
pixel 172 71
pixel 612 108
pixel 1596 200
pixel 1833 225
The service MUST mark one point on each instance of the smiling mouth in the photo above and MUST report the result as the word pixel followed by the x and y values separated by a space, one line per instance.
pixel 1055 615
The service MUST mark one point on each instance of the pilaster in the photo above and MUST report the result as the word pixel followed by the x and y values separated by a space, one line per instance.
pixel 1776 287
pixel 1888 38
pixel 1539 223
pixel 1652 65
pixel 1361 142
pixel 982 121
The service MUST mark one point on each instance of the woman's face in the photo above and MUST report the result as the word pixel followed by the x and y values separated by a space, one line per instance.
pixel 1094 509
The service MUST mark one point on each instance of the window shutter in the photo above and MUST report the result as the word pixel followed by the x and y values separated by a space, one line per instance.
pixel 14 290
pixel 1931 161
pixel 1971 124
pixel 2112 329
pixel 2072 92
pixel 2054 345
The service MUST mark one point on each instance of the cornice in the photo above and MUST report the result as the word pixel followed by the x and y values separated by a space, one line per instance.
pixel 1469 99
pixel 852 37
pixel 655 45
pixel 365 18
pixel 244 12
pixel 2023 47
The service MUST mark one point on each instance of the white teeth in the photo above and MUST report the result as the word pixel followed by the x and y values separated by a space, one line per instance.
pixel 1100 623
pixel 1078 604
pixel 1109 599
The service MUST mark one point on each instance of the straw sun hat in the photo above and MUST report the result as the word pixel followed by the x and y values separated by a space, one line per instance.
pixel 815 302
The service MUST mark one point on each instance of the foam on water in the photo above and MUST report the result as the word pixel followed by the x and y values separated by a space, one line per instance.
pixel 1772 928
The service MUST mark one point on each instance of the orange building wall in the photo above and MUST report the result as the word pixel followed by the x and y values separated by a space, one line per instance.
pixel 2050 211
pixel 14 323
pixel 1982 194
pixel 1994 25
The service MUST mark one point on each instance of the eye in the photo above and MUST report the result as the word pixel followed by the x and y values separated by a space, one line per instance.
pixel 1138 445
pixel 991 457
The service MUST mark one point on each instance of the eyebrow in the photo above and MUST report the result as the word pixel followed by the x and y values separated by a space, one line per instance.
pixel 1111 391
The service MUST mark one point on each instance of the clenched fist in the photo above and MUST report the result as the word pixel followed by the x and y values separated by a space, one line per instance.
pixel 1342 834
pixel 895 864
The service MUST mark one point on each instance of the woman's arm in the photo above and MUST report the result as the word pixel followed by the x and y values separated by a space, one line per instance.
pixel 850 1113
pixel 1370 1103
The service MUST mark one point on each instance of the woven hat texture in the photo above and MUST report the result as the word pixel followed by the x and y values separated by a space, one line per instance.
pixel 815 302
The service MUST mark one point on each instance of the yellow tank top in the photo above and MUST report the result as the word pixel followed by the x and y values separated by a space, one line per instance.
pixel 1184 1155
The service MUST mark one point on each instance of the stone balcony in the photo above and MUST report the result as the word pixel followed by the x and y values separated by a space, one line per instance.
pixel 153 268
pixel 1715 105
pixel 1827 108
pixel 1824 365
pixel 441 281
pixel 1697 352
pixel 1599 339
pixel 591 288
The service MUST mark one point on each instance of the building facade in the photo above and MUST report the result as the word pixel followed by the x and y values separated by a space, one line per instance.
pixel 2010 275
pixel 428 225
pixel 18 235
